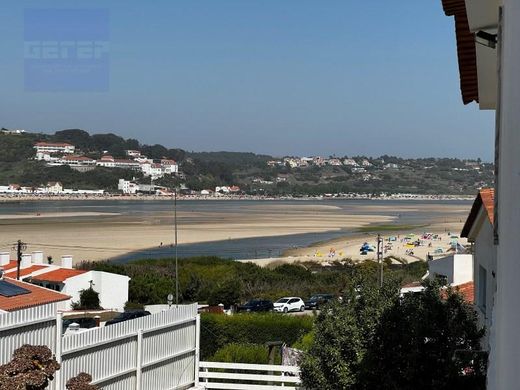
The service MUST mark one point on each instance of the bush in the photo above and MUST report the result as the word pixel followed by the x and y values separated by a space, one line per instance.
pixel 242 353
pixel 305 342
pixel 218 330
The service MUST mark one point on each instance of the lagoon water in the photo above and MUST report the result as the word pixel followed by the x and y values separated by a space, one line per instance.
pixel 406 212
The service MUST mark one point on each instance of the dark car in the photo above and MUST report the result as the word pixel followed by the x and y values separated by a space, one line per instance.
pixel 317 300
pixel 83 322
pixel 256 305
pixel 127 315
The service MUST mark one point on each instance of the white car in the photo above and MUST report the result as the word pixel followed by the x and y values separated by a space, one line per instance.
pixel 287 304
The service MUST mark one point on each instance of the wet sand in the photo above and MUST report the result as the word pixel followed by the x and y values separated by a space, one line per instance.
pixel 99 235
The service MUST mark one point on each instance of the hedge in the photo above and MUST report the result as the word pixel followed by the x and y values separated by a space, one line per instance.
pixel 218 330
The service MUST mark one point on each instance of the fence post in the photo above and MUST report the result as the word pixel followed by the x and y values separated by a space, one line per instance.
pixel 58 349
pixel 197 348
pixel 139 361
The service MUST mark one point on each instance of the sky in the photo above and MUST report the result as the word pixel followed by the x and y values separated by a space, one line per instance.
pixel 280 77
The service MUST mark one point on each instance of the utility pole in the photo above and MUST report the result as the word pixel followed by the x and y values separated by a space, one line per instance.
pixel 19 247
pixel 176 257
pixel 380 258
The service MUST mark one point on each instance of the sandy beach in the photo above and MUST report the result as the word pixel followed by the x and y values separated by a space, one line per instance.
pixel 94 235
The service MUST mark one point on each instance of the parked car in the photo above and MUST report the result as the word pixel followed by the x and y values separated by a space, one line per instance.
pixel 256 305
pixel 287 304
pixel 317 300
pixel 127 315
pixel 83 322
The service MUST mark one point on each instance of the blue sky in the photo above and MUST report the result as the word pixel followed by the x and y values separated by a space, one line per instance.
pixel 279 77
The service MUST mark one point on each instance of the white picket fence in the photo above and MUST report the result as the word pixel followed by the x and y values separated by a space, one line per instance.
pixel 155 352
pixel 36 325
pixel 214 375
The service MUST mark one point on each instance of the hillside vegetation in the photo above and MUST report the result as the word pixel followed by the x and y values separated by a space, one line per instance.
pixel 251 172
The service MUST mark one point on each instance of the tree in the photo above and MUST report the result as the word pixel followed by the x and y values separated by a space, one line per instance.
pixel 31 367
pixel 88 300
pixel 378 341
pixel 342 333
pixel 227 292
pixel 429 340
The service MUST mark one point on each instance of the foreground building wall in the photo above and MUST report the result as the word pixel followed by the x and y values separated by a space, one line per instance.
pixel 504 370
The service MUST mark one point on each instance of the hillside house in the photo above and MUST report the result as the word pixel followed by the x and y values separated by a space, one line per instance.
pixel 44 149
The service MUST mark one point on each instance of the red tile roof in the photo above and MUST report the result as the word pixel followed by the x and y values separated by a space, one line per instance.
pixel 56 144
pixel 10 265
pixel 466 49
pixel 486 198
pixel 37 296
pixel 467 290
pixel 25 271
pixel 59 275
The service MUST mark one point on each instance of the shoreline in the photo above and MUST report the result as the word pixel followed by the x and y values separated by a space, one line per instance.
pixel 38 198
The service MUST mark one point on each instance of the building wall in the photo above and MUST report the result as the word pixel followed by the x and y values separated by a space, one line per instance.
pixel 112 288
pixel 503 372
pixel 485 257
pixel 458 269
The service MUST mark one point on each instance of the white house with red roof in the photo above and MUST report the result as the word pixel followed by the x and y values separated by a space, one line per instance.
pixel 479 231
pixel 487 35
pixel 112 288
pixel 47 148
pixel 170 166
pixel 17 295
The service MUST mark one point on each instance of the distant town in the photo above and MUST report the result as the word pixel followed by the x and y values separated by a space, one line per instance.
pixel 75 163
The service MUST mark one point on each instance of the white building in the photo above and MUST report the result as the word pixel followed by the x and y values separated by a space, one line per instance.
pixel 350 162
pixel 489 64
pixel 455 270
pixel 47 148
pixel 127 186
pixel 28 295
pixel 73 160
pixel 170 166
pixel 112 288
pixel 478 229
pixel 54 187
pixel 133 153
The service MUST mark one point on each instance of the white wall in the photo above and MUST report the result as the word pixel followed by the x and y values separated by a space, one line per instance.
pixel 457 268
pixel 463 269
pixel 504 372
pixel 112 288
pixel 486 257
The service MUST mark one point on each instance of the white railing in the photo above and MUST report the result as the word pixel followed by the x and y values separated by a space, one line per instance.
pixel 156 352
pixel 238 376
pixel 149 353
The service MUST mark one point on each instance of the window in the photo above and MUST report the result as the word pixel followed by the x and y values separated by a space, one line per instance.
pixel 482 288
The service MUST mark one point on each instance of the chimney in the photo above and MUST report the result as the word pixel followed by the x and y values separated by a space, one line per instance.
pixel 26 260
pixel 66 261
pixel 4 258
pixel 37 257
